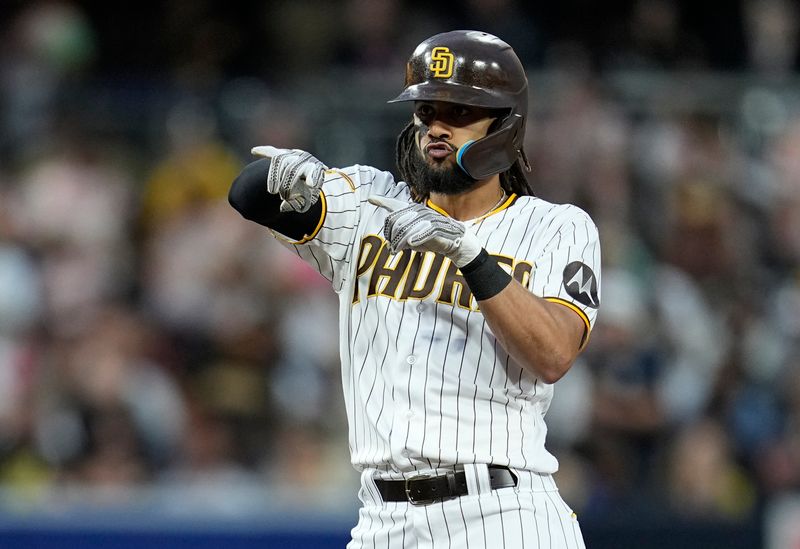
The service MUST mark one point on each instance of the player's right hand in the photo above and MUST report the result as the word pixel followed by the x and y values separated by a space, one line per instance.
pixel 414 226
pixel 294 175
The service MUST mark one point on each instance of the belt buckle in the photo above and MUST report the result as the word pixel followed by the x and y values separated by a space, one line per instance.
pixel 410 498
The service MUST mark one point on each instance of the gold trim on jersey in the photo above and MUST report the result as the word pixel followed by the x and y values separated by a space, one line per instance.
pixel 323 214
pixel 499 208
pixel 346 178
pixel 581 314
pixel 316 230
pixel 436 208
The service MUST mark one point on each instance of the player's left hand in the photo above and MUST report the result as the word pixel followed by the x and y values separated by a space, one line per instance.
pixel 415 226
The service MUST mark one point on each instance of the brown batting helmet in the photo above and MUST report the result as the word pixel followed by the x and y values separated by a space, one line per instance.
pixel 478 69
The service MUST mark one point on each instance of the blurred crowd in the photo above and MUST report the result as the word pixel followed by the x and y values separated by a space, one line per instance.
pixel 149 337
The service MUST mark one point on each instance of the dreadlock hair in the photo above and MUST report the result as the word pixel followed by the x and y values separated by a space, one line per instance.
pixel 513 180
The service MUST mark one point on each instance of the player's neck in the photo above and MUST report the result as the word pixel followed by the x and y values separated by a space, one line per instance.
pixel 482 198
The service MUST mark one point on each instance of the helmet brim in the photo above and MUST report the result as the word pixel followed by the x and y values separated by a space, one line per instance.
pixel 452 92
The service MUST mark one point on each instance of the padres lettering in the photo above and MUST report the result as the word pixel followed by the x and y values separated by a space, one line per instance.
pixel 442 62
pixel 416 275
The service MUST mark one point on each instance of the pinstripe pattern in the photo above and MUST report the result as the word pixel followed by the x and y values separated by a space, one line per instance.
pixel 532 516
pixel 426 384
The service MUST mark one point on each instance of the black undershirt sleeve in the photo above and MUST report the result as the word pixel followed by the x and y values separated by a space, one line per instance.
pixel 248 195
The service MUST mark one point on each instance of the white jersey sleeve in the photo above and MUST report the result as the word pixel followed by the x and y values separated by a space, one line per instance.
pixel 567 266
pixel 331 246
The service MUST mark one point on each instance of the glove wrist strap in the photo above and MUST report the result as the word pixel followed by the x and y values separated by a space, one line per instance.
pixel 485 277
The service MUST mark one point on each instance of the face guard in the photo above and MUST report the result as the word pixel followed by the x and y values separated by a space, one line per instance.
pixel 477 69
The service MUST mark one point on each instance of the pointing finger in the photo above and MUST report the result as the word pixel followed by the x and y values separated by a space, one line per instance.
pixel 268 151
pixel 391 204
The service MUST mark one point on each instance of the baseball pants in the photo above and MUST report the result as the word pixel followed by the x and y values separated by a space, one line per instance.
pixel 531 515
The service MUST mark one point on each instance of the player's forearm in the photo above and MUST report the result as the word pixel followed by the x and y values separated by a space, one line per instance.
pixel 248 195
pixel 543 337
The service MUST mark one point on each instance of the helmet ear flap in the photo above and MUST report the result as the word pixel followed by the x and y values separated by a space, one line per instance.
pixel 496 152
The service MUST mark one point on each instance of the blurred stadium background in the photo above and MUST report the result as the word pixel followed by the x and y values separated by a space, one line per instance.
pixel 157 385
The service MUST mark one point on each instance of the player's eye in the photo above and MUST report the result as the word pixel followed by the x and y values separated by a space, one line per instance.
pixel 461 111
pixel 425 113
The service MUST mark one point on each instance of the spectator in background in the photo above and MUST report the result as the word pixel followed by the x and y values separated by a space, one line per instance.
pixel 704 479
pixel 629 419
pixel 73 207
pixel 188 174
pixel 582 133
pixel 21 300
pixel 776 462
pixel 772 30
pixel 45 45
pixel 109 413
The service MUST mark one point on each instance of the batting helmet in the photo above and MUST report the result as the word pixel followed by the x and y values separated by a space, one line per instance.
pixel 478 69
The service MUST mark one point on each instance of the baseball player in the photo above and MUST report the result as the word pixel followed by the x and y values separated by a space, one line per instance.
pixel 463 299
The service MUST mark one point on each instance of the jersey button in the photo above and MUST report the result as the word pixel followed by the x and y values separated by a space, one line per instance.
pixel 411 359
pixel 409 414
pixel 420 307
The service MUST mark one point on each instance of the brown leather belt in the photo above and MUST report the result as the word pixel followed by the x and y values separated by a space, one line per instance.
pixel 426 489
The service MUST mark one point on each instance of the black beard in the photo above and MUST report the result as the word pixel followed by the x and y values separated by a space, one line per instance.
pixel 445 179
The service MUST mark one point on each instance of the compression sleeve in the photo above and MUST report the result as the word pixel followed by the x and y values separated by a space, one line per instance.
pixel 248 195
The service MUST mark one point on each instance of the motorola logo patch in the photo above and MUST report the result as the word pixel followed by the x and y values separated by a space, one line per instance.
pixel 581 284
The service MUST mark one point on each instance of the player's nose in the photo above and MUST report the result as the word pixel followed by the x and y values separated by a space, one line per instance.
pixel 439 129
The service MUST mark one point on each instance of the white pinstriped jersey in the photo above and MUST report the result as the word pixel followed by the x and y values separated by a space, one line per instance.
pixel 426 384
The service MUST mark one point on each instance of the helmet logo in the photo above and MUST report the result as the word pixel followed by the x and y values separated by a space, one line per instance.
pixel 441 62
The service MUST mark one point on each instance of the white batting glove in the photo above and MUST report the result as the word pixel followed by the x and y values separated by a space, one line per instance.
pixel 294 175
pixel 415 226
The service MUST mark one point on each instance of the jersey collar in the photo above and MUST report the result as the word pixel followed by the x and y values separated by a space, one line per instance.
pixel 500 207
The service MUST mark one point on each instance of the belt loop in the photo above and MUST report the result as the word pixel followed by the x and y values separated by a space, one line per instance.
pixel 477 475
pixel 451 482
pixel 371 491
pixel 484 483
pixel 472 479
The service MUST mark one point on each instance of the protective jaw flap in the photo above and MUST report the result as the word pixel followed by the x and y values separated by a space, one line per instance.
pixel 494 153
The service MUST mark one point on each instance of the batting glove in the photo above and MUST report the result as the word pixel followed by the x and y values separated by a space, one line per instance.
pixel 417 227
pixel 294 175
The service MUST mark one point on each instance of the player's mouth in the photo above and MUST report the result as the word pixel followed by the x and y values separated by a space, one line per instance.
pixel 439 150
